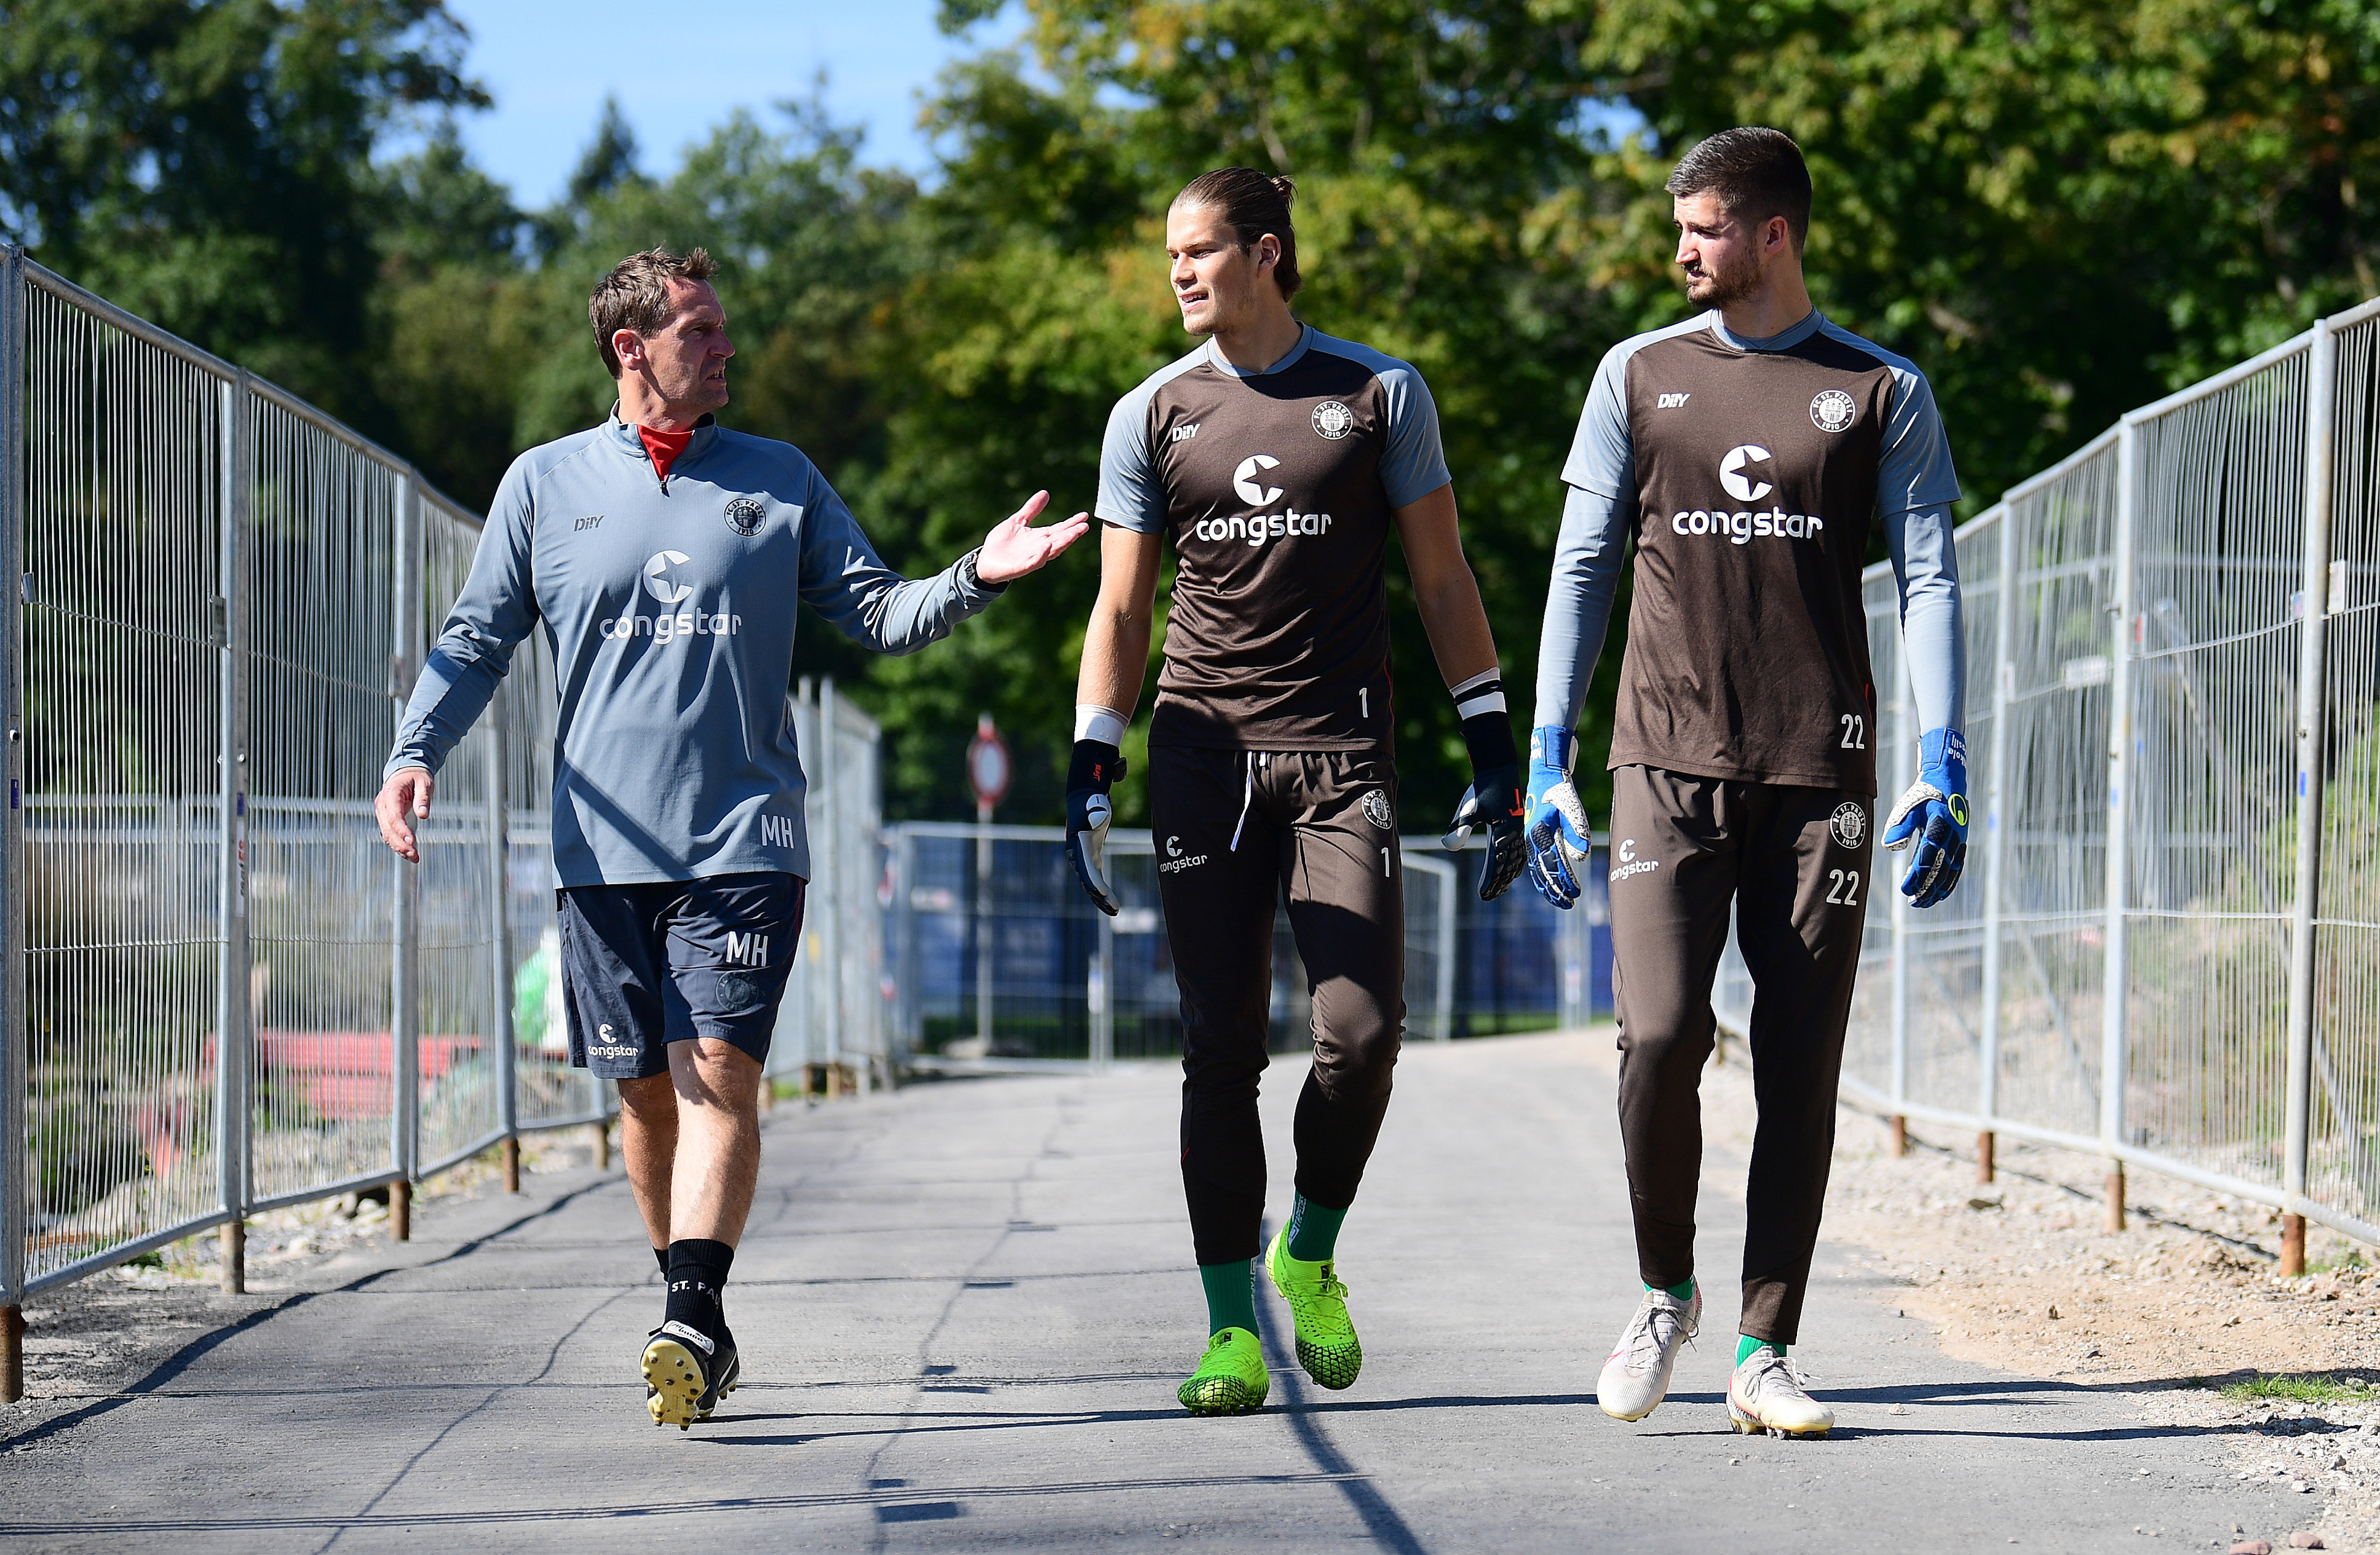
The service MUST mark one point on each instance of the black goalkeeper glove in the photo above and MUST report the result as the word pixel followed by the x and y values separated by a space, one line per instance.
pixel 1095 767
pixel 1493 800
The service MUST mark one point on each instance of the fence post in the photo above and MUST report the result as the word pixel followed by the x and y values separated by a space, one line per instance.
pixel 2321 371
pixel 1103 992
pixel 404 1011
pixel 234 1039
pixel 2116 984
pixel 13 1047
pixel 830 740
pixel 909 1026
pixel 499 918
pixel 1450 898
pixel 1904 758
pixel 1987 1102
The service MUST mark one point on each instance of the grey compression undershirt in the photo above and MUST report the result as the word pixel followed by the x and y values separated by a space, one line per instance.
pixel 1596 522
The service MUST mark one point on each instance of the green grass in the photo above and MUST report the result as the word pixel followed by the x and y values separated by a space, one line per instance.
pixel 2303 1390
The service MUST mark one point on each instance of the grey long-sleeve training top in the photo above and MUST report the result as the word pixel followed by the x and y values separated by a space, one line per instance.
pixel 669 609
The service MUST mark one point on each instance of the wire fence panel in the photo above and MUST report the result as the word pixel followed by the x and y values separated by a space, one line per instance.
pixel 2052 676
pixel 547 1091
pixel 837 1013
pixel 122 827
pixel 2168 946
pixel 2345 1089
pixel 323 523
pixel 460 876
pixel 1945 943
pixel 998 956
pixel 2213 638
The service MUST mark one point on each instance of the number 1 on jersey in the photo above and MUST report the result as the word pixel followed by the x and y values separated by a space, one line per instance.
pixel 1364 694
pixel 1385 871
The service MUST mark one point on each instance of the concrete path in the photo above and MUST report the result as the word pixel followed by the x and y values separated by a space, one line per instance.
pixel 963 1310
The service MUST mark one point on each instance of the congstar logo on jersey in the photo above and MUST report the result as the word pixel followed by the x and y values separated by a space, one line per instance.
pixel 1255 528
pixel 1744 474
pixel 670 626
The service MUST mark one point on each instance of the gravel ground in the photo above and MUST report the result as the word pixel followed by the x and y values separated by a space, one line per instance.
pixel 2021 1274
pixel 97 1337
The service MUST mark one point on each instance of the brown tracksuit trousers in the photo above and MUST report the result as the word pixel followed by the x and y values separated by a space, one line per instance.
pixel 1796 865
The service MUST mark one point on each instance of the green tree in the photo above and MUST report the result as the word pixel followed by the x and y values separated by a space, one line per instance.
pixel 2059 207
pixel 208 163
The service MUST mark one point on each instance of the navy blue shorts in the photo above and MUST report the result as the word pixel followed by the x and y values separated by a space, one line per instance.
pixel 645 966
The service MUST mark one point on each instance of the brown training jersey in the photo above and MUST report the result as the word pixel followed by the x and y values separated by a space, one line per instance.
pixel 1756 473
pixel 1278 490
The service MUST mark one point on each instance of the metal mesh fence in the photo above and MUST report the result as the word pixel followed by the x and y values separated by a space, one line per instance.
pixel 2166 947
pixel 835 1016
pixel 221 595
pixel 996 956
pixel 115 787
pixel 322 518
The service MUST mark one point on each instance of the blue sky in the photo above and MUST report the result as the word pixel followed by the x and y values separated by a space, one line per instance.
pixel 550 64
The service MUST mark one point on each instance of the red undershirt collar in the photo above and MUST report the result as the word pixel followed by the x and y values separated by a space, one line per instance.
pixel 665 447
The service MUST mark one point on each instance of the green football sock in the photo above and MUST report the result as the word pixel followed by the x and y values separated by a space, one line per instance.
pixel 1745 1344
pixel 1230 1296
pixel 1314 1230
pixel 1683 1289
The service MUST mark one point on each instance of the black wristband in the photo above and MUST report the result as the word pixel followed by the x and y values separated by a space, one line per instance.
pixel 1096 764
pixel 1489 737
pixel 971 574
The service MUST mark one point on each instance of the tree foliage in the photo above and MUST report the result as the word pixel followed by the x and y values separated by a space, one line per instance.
pixel 2059 207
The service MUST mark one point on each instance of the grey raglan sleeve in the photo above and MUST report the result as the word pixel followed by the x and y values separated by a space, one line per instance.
pixel 1915 486
pixel 845 581
pixel 1414 464
pixel 495 611
pixel 1598 509
pixel 1132 496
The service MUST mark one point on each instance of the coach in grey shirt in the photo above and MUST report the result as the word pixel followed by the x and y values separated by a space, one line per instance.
pixel 665 558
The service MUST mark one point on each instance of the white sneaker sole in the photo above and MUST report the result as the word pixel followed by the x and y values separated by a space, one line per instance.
pixel 1651 1404
pixel 1746 1425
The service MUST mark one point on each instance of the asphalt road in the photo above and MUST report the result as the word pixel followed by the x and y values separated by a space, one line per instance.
pixel 963 1310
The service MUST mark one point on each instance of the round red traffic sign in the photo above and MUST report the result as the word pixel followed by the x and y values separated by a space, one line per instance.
pixel 988 766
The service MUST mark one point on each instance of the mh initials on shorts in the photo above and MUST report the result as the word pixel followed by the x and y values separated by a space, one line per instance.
pixel 748 950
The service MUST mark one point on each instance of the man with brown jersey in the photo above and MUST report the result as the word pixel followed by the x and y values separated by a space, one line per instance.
pixel 1276 461
pixel 1746 451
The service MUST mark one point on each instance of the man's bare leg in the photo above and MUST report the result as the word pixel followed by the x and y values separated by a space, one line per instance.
pixel 718 1128
pixel 649 1138
pixel 694 1199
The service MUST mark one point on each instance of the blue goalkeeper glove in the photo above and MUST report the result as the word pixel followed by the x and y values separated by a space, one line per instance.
pixel 1560 841
pixel 1933 814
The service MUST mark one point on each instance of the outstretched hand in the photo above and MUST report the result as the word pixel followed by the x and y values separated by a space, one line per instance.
pixel 1014 547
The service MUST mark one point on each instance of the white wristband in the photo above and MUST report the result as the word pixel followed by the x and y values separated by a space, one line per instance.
pixel 1104 725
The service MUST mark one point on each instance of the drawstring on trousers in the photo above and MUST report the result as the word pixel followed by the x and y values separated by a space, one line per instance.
pixel 1248 792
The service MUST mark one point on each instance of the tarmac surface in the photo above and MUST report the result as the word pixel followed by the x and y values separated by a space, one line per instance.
pixel 964 1308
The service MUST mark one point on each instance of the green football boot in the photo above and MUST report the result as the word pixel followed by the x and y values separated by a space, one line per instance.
pixel 1230 1379
pixel 1327 1345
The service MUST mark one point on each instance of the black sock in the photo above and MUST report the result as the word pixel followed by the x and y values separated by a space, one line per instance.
pixel 697 1278
pixel 661 1257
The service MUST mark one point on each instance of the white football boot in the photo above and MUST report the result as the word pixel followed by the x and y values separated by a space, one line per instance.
pixel 1636 1377
pixel 1766 1395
